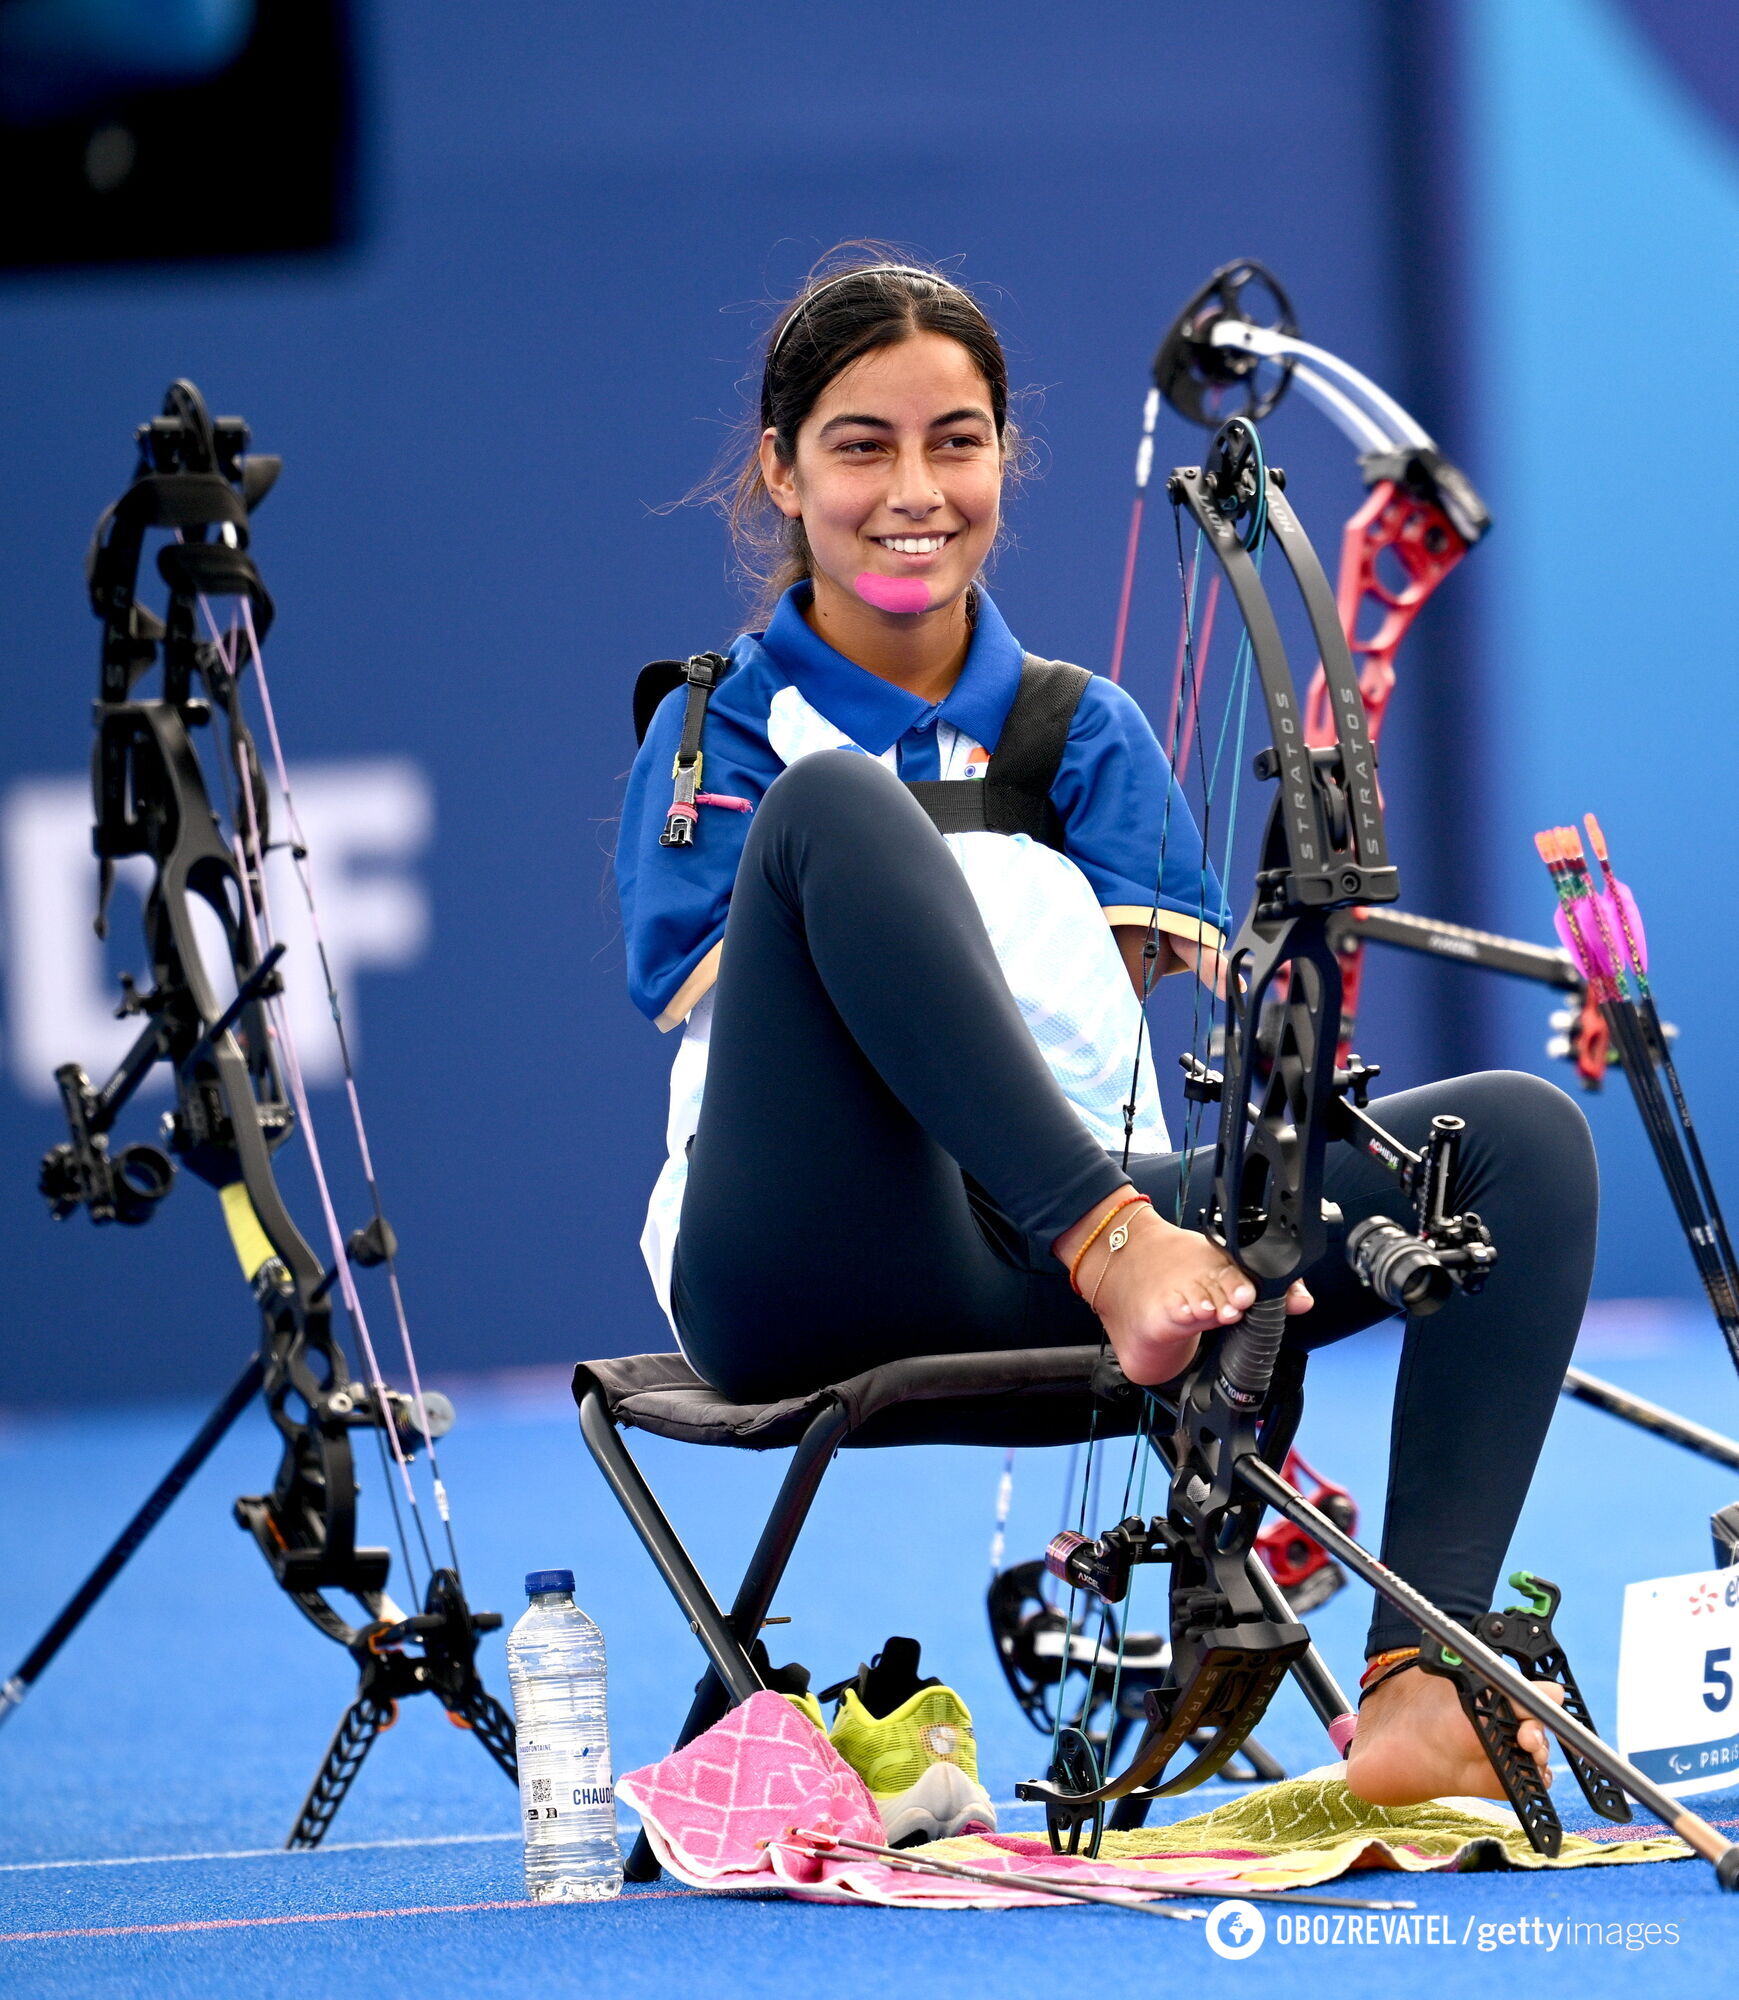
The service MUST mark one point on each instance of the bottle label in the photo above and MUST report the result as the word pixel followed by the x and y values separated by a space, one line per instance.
pixel 556 1781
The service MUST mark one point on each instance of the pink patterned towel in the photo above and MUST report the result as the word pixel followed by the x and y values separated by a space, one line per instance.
pixel 717 1812
pixel 711 1809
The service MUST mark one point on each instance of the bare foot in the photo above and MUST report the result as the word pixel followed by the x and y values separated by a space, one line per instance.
pixel 1415 1743
pixel 1161 1290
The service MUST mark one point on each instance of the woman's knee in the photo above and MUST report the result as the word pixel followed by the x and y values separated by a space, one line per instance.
pixel 1530 1133
pixel 1516 1098
pixel 835 806
pixel 830 785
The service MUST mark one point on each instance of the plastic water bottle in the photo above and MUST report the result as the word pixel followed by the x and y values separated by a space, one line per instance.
pixel 555 1662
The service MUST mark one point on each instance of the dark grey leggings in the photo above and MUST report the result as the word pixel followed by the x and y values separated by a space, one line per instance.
pixel 884 1158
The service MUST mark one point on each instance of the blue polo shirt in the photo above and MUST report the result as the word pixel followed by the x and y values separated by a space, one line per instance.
pixel 1048 915
pixel 1114 791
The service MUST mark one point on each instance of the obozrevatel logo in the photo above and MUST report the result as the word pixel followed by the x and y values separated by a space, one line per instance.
pixel 1236 1929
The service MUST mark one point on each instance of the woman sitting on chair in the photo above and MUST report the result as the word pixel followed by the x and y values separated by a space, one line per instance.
pixel 915 1045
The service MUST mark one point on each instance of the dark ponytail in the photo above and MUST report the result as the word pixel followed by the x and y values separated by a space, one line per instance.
pixel 849 307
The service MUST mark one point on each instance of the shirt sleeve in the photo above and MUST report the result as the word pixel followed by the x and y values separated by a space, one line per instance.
pixel 674 900
pixel 1127 825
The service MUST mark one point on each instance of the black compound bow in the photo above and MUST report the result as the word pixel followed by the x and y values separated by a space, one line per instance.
pixel 220 1027
pixel 1235 349
pixel 1283 1098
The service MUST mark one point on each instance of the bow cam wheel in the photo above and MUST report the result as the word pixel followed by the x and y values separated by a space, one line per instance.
pixel 1207 383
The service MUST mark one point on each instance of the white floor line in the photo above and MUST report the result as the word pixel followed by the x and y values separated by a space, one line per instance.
pixel 258 1853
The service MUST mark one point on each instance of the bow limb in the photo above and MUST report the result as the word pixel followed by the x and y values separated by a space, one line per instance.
pixel 1227 351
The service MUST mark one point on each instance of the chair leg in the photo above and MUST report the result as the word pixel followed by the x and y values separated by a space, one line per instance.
pixel 661 1542
pixel 766 1569
pixel 797 1491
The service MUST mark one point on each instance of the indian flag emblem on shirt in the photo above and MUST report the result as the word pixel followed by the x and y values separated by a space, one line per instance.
pixel 977 761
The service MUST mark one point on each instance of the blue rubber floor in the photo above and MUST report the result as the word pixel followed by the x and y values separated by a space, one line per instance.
pixel 146 1785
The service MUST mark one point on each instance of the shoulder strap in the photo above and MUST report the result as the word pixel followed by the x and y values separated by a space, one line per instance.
pixel 702 672
pixel 1028 754
pixel 1014 795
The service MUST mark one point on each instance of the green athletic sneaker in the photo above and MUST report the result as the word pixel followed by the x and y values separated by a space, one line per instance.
pixel 807 1705
pixel 911 1741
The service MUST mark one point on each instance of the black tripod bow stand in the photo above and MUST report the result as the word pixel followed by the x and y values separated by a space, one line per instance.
pixel 223 1034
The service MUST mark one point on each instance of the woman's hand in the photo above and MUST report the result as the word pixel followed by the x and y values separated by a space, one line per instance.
pixel 1161 1290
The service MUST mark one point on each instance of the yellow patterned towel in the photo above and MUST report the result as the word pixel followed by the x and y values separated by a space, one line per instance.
pixel 1311 1829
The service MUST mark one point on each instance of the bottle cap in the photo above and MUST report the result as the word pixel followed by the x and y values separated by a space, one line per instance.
pixel 548 1579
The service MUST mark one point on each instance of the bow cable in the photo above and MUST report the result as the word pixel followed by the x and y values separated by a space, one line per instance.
pixel 387 1243
pixel 251 860
pixel 1186 701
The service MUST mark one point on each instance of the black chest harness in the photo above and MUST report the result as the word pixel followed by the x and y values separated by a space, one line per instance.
pixel 1013 796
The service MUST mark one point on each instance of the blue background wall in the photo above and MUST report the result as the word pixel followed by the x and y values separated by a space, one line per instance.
pixel 578 219
pixel 1604 142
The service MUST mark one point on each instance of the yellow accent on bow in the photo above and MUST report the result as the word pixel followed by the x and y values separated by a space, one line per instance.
pixel 252 1245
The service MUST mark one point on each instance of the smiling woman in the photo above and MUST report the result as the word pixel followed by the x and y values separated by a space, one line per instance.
pixel 905 929
pixel 895 482
pixel 866 314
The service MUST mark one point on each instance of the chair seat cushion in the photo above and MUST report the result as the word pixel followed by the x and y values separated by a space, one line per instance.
pixel 1020 1396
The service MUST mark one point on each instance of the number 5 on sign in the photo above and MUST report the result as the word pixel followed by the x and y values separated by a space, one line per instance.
pixel 1677 1718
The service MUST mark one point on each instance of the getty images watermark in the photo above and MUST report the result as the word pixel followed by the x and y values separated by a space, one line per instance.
pixel 1237 1929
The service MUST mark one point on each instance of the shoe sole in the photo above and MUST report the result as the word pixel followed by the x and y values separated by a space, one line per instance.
pixel 943 1804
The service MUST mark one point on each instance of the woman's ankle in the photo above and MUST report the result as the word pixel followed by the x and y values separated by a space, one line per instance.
pixel 1067 1247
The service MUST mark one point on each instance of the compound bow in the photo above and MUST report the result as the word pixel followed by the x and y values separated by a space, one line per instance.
pixel 1282 1099
pixel 1233 351
pixel 222 1030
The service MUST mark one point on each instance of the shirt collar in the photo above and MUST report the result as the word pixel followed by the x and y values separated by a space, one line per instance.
pixel 874 713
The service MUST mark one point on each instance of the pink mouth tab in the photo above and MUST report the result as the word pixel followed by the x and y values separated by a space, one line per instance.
pixel 904 596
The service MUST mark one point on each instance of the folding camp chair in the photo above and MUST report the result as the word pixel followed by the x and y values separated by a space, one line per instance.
pixel 1037 1396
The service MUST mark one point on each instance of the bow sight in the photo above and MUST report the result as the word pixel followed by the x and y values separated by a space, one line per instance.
pixel 221 1030
pixel 1232 1418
